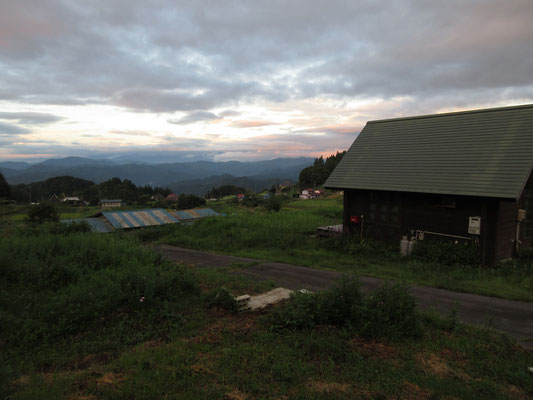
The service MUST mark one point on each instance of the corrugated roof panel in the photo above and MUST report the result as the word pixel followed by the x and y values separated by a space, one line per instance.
pixel 140 218
pixel 475 153
pixel 192 214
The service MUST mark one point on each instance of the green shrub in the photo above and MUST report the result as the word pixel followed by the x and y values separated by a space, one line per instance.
pixel 153 233
pixel 252 200
pixel 221 298
pixel 353 244
pixel 388 312
pixel 273 203
pixel 341 306
pixel 43 212
pixel 446 252
pixel 186 201
pixel 302 312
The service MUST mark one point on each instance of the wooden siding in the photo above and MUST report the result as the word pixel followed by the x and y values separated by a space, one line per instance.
pixel 395 214
pixel 506 230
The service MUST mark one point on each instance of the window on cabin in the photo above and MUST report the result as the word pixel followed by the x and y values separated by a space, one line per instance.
pixel 384 208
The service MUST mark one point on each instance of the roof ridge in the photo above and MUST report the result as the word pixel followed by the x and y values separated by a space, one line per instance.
pixel 479 110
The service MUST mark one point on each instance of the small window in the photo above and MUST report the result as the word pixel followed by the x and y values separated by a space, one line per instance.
pixel 384 208
pixel 448 202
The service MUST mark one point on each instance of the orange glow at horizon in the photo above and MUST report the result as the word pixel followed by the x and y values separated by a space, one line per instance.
pixel 27 155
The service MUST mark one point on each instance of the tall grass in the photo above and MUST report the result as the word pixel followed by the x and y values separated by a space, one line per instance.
pixel 54 285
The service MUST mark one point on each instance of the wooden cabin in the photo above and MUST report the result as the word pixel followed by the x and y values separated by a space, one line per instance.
pixel 464 176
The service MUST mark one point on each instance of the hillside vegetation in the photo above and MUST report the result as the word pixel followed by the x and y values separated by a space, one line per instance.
pixel 89 316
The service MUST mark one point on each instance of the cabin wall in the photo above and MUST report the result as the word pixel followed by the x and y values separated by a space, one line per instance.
pixel 506 230
pixel 389 215
pixel 526 227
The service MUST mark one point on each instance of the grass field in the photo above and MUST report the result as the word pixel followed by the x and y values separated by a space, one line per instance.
pixel 88 316
pixel 289 236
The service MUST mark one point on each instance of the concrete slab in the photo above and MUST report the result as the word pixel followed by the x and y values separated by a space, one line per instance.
pixel 267 299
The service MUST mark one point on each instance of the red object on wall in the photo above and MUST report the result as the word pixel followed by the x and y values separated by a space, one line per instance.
pixel 355 219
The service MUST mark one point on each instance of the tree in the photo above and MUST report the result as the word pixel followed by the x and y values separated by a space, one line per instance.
pixel 313 176
pixel 43 212
pixel 190 201
pixel 5 189
pixel 319 172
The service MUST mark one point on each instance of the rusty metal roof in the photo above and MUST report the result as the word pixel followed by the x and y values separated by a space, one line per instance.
pixel 138 219
pixel 193 214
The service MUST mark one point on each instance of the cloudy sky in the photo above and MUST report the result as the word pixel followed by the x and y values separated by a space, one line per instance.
pixel 247 80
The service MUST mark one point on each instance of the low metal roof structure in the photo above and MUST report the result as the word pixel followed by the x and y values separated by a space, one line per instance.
pixel 138 219
pixel 108 221
pixel 194 214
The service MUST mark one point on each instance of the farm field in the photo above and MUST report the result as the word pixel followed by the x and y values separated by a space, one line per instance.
pixel 89 316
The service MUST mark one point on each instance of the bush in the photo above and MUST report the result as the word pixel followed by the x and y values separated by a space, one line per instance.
pixel 273 203
pixel 43 212
pixel 302 312
pixel 388 312
pixel 252 201
pixel 221 298
pixel 355 245
pixel 446 252
pixel 60 228
pixel 186 201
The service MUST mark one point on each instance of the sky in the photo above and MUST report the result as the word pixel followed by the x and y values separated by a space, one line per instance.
pixel 246 80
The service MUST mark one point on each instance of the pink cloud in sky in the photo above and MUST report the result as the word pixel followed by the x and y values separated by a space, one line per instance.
pixel 252 124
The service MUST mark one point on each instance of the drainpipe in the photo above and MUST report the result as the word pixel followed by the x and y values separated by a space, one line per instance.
pixel 517 240
pixel 521 215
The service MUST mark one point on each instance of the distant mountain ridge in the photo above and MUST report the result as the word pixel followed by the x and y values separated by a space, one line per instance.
pixel 202 186
pixel 152 174
pixel 14 165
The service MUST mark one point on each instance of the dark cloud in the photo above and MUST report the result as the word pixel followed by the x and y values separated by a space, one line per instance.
pixel 183 56
pixel 12 130
pixel 30 118
pixel 197 116
pixel 381 59
pixel 230 113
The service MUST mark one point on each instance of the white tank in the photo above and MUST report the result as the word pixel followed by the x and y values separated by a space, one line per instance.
pixel 410 246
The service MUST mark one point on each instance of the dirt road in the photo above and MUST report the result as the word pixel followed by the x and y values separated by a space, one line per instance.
pixel 512 317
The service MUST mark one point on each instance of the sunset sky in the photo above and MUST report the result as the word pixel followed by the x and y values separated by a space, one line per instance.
pixel 246 80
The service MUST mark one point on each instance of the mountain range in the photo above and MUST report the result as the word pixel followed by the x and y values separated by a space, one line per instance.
pixel 197 174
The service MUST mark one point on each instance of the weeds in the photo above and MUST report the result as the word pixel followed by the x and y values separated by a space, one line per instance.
pixel 388 312
pixel 221 298
pixel 55 285
pixel 446 252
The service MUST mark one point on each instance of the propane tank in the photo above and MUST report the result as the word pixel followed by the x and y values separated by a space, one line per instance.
pixel 404 246
pixel 410 246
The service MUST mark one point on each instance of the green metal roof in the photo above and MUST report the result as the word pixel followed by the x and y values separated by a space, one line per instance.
pixel 485 153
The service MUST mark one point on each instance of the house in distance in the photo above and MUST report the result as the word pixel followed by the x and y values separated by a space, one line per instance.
pixel 108 203
pixel 462 176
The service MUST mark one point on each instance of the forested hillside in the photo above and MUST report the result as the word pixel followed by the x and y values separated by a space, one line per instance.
pixel 317 174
